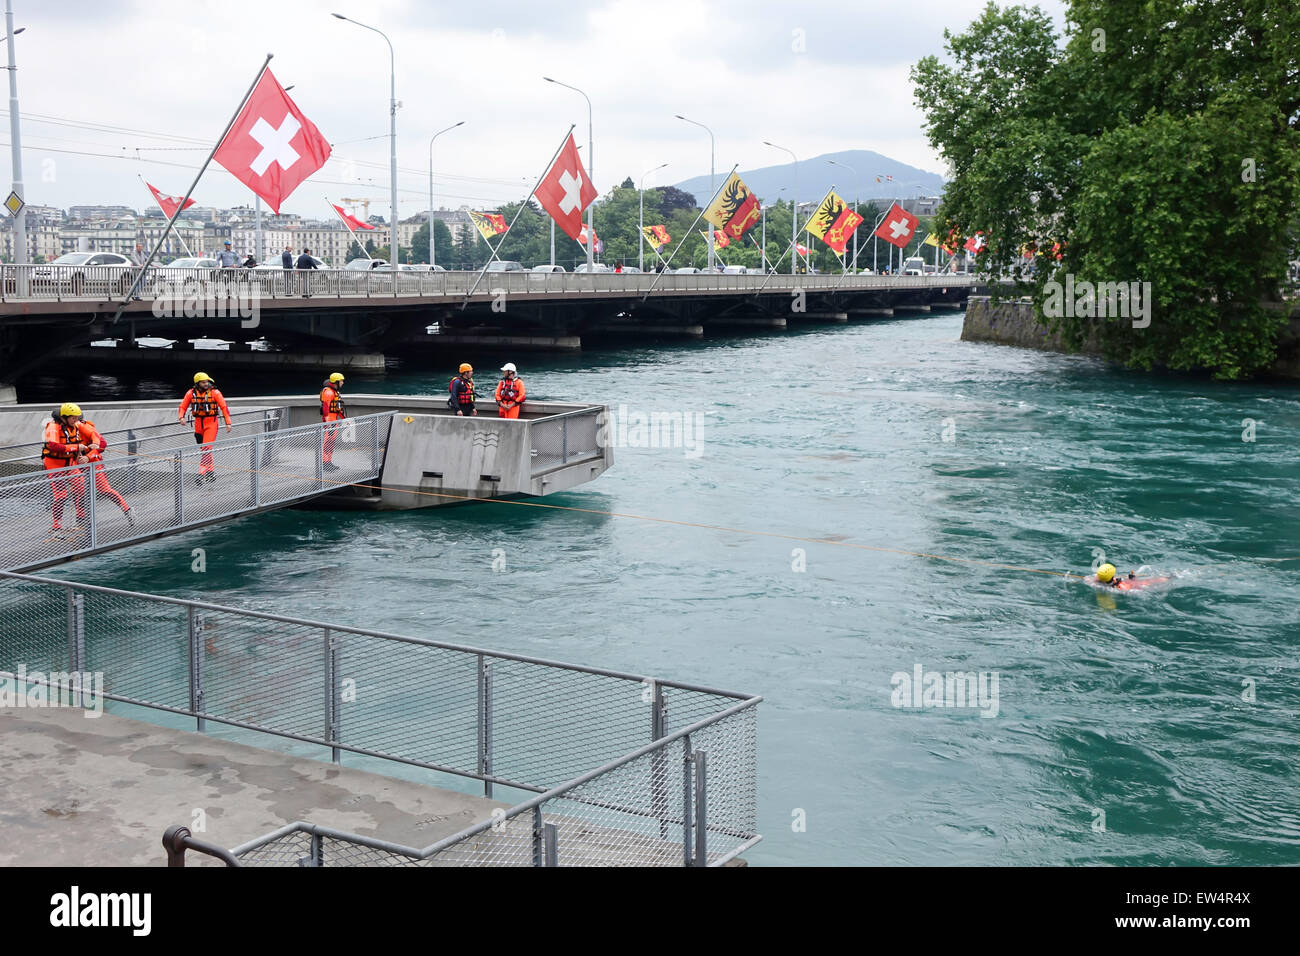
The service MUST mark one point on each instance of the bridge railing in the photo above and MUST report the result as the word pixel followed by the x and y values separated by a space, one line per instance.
pixel 221 292
pixel 613 759
pixel 177 488
pixel 139 439
pixel 559 440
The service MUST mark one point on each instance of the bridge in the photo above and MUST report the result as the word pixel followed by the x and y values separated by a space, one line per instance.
pixel 48 311
pixel 270 462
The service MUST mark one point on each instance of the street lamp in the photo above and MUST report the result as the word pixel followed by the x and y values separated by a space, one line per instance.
pixel 392 138
pixel 794 207
pixel 591 171
pixel 640 242
pixel 435 136
pixel 855 206
pixel 15 140
pixel 712 184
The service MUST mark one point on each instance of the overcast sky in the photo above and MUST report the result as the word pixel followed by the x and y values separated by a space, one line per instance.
pixel 814 77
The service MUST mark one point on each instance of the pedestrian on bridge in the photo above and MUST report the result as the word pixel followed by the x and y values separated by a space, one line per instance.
pixel 510 392
pixel 305 261
pixel 95 456
pixel 204 401
pixel 64 447
pixel 226 258
pixel 331 410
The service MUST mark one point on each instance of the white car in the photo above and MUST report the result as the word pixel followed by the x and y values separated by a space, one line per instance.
pixel 86 273
pixel 508 265
pixel 686 271
pixel 192 262
pixel 365 265
pixel 597 267
pixel 547 269
pixel 734 271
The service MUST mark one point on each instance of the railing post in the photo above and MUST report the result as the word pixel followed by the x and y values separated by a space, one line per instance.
pixel 320 452
pixel 178 479
pixel 485 722
pixel 194 626
pixel 564 441
pixel 255 468
pixel 688 801
pixel 539 837
pixel 76 639
pixel 317 857
pixel 658 776
pixel 701 809
pixel 374 445
pixel 332 694
pixel 91 495
pixel 133 470
pixel 550 845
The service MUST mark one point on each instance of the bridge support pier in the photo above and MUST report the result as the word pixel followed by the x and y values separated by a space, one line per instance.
pixel 821 316
pixel 746 322
pixel 648 328
pixel 911 308
pixel 885 313
pixel 525 343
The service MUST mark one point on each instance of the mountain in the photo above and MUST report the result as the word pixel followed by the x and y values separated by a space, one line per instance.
pixel 816 175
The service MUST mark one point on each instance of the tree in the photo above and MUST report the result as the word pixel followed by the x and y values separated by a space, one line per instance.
pixel 672 198
pixel 1158 143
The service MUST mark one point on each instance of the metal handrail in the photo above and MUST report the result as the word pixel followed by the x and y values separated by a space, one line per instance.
pixel 127 430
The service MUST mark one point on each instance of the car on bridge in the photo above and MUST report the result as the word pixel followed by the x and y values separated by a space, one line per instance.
pixel 191 262
pixel 544 269
pixel 86 273
pixel 597 267
pixel 508 265
pixel 365 265
pixel 687 271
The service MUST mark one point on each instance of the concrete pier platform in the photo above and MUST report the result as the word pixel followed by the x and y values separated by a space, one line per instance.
pixel 747 322
pixel 911 308
pixel 885 313
pixel 821 316
pixel 83 791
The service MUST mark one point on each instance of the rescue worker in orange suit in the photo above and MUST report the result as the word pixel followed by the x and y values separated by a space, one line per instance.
pixel 462 391
pixel 64 446
pixel 205 401
pixel 95 456
pixel 510 392
pixel 331 410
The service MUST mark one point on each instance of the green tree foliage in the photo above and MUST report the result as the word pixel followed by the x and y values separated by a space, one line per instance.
pixel 420 244
pixel 1157 142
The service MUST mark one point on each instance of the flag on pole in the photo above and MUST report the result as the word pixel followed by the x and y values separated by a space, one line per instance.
pixel 169 204
pixel 800 248
pixel 833 222
pixel 489 224
pixel 931 240
pixel 734 209
pixel 272 147
pixel 975 244
pixel 582 235
pixel 566 190
pixel 898 226
pixel 657 236
pixel 350 219
pixel 882 178
pixel 720 240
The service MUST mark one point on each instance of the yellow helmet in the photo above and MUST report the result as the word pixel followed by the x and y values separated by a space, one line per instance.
pixel 336 376
pixel 201 377
pixel 70 408
pixel 1106 573
pixel 466 367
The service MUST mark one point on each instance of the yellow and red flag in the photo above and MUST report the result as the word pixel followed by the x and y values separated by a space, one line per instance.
pixel 720 239
pixel 735 209
pixel 657 236
pixel 834 222
pixel 489 224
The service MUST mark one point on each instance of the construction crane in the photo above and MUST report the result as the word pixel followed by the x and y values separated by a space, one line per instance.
pixel 365 206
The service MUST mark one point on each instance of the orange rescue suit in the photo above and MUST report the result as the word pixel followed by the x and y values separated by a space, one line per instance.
pixel 331 410
pixel 510 396
pixel 91 436
pixel 62 447
pixel 205 406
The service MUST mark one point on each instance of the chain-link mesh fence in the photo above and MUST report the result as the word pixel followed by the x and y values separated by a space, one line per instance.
pixel 85 508
pixel 503 719
pixel 561 439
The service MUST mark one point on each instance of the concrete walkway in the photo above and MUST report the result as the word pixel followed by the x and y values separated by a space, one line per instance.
pixel 100 791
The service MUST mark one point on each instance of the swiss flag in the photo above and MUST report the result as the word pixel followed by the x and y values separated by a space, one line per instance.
pixel 582 234
pixel 566 190
pixel 898 226
pixel 351 220
pixel 169 204
pixel 975 244
pixel 272 147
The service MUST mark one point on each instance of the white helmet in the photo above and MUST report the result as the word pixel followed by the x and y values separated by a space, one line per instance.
pixel 509 367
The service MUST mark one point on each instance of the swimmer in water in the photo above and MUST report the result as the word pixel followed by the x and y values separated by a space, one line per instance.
pixel 1108 576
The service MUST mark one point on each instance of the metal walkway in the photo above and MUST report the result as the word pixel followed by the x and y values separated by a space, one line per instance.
pixel 259 472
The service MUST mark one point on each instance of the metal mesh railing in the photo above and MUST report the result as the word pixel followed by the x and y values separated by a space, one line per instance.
pixel 499 718
pixel 61 513
pixel 559 440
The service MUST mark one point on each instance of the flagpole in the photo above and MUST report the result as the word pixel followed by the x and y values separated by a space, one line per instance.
pixel 682 241
pixel 184 244
pixel 788 248
pixel 197 176
pixel 364 251
pixel 546 170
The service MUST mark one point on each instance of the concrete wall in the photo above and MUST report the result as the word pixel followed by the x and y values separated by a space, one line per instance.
pixel 1014 323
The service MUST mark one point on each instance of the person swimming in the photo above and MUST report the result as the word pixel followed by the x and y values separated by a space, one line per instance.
pixel 1108 576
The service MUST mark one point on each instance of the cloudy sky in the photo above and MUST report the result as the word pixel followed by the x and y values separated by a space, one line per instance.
pixel 148 85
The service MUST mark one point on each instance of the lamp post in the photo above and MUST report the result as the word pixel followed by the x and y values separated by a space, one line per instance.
pixel 15 140
pixel 640 243
pixel 794 207
pixel 392 140
pixel 591 171
pixel 432 260
pixel 712 184
pixel 855 205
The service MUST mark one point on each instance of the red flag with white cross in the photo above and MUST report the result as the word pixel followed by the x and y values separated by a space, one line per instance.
pixel 975 244
pixel 566 190
pixel 898 226
pixel 272 147
pixel 169 204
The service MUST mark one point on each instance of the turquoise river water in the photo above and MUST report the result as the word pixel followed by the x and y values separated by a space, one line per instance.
pixel 1160 727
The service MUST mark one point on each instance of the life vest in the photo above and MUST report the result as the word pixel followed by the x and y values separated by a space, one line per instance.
pixel 61 434
pixel 508 390
pixel 93 438
pixel 203 404
pixel 466 397
pixel 333 406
